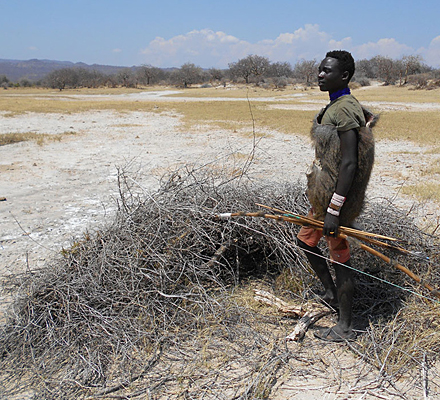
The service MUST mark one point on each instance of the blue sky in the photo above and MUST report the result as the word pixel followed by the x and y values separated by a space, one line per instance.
pixel 169 33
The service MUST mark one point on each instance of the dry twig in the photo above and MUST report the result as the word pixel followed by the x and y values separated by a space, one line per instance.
pixel 162 273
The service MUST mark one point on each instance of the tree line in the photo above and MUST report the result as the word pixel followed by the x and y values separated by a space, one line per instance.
pixel 251 69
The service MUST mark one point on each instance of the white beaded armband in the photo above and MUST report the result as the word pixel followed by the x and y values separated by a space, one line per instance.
pixel 337 200
pixel 332 211
pixel 336 204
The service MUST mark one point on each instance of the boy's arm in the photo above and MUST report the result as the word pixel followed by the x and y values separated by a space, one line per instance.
pixel 347 170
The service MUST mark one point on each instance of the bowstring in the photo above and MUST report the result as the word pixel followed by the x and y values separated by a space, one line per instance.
pixel 371 276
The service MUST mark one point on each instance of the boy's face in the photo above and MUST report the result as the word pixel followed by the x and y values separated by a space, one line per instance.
pixel 330 77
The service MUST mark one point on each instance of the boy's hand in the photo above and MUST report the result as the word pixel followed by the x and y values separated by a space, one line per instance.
pixel 331 225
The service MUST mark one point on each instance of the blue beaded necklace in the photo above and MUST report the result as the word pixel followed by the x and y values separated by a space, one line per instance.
pixel 339 93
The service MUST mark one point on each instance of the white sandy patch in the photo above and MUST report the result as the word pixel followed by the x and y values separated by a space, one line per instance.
pixel 57 190
pixel 159 96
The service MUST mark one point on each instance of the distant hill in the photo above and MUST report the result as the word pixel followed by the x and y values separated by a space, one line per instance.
pixel 35 70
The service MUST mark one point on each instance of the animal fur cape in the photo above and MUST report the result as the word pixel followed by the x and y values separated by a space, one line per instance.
pixel 322 178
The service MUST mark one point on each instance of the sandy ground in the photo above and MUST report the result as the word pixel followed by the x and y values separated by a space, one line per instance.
pixel 57 190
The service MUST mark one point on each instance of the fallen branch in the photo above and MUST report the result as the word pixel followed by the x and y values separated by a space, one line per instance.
pixel 308 317
pixel 281 306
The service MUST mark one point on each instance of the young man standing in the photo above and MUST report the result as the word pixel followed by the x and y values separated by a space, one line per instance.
pixel 344 150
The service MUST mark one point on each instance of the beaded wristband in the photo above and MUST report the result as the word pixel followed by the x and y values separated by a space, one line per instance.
pixel 335 205
pixel 337 200
pixel 333 212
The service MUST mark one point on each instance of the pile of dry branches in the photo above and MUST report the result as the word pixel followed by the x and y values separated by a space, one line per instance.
pixel 149 304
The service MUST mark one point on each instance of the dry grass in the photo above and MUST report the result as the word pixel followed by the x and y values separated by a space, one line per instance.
pixel 399 94
pixel 433 150
pixel 432 169
pixel 125 125
pixel 39 138
pixel 413 331
pixel 144 307
pixel 32 91
pixel 55 104
pixel 241 116
pixel 423 191
pixel 158 304
pixel 243 92
pixel 419 127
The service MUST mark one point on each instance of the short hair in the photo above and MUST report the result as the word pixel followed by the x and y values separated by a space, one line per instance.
pixel 345 61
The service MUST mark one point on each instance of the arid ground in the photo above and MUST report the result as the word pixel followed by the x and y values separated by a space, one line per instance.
pixel 56 188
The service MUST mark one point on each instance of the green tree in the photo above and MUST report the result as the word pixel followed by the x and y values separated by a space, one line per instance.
pixel 306 70
pixel 62 78
pixel 251 66
pixel 188 74
pixel 148 75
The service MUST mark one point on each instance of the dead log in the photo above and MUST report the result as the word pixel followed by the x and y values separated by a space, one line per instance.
pixel 308 313
pixel 309 318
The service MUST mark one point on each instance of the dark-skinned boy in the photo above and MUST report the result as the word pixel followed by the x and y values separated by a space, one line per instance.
pixel 346 117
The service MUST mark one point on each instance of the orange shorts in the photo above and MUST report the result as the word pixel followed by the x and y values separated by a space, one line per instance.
pixel 339 249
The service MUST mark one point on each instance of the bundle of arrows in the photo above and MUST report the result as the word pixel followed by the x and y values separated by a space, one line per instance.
pixel 344 232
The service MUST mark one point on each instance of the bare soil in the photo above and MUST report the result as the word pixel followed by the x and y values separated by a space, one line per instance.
pixel 56 191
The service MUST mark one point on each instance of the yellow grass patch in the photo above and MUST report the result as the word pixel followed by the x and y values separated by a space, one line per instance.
pixel 39 138
pixel 433 150
pixel 423 191
pixel 21 105
pixel 239 115
pixel 126 125
pixel 66 92
pixel 432 169
pixel 396 93
pixel 419 127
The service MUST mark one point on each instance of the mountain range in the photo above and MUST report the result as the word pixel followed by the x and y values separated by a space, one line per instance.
pixel 35 70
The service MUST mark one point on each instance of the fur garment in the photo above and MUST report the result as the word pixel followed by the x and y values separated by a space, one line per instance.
pixel 322 179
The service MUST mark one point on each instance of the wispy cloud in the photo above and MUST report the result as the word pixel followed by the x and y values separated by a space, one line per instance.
pixel 431 54
pixel 385 47
pixel 116 51
pixel 208 48
pixel 33 48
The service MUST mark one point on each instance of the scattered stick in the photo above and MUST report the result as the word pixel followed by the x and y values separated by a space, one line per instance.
pixel 307 317
pixel 268 298
pixel 425 377
pixel 124 385
pixel 218 253
pixel 163 271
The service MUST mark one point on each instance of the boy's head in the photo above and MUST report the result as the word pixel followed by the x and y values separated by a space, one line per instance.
pixel 345 61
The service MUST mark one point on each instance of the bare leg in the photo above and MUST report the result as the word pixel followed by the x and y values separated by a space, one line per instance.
pixel 341 293
pixel 345 290
pixel 319 265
